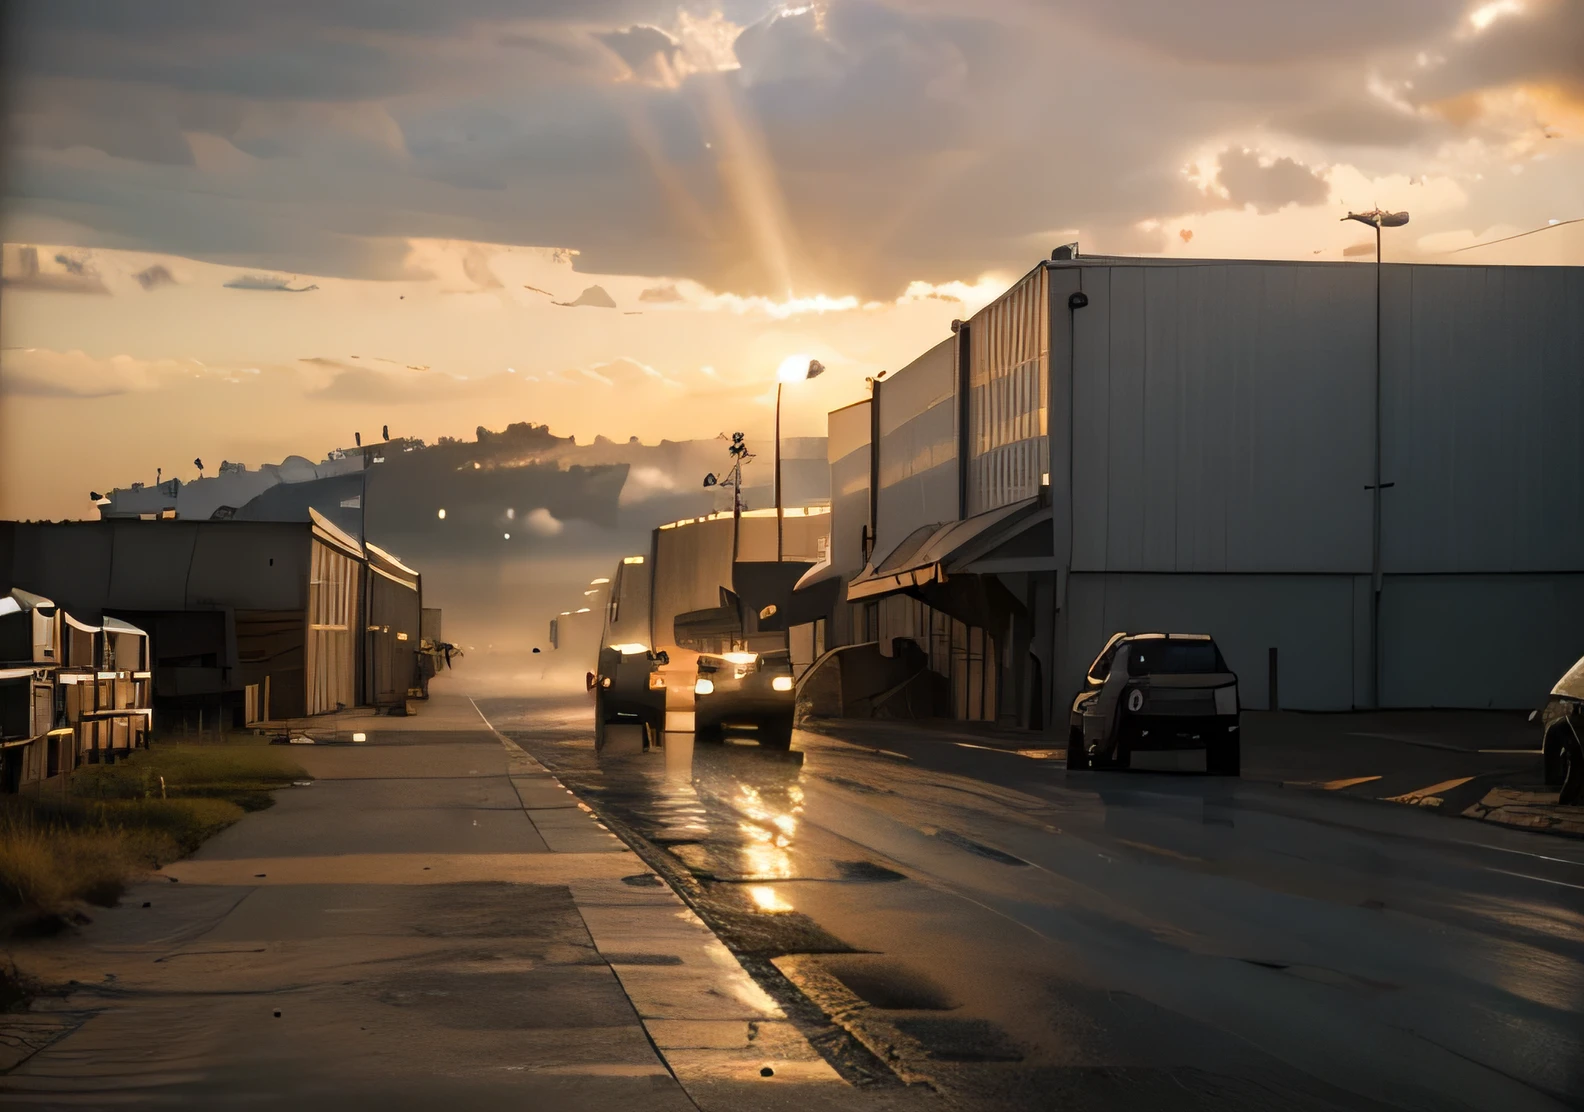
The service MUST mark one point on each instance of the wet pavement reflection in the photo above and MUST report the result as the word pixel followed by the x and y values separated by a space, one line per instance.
pixel 1120 940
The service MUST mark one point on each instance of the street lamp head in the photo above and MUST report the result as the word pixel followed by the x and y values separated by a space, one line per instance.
pixel 1376 218
pixel 796 368
pixel 815 368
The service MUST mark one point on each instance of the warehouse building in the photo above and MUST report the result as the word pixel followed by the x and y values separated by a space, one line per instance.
pixel 248 621
pixel 1152 444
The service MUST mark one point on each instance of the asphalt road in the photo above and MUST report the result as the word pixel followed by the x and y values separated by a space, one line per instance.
pixel 983 925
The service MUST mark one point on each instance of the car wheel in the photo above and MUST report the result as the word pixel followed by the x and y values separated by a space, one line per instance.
pixel 1572 767
pixel 708 731
pixel 1224 759
pixel 775 735
pixel 1077 756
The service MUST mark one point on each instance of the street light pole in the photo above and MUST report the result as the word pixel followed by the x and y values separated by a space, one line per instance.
pixel 1377 219
pixel 780 511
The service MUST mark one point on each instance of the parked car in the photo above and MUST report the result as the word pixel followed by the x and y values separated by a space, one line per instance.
pixel 738 690
pixel 1156 691
pixel 629 690
pixel 1562 735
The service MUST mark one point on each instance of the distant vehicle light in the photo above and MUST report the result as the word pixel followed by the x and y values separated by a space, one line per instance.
pixel 359 737
pixel 740 658
pixel 506 535
pixel 656 681
pixel 584 610
pixel 782 683
pixel 442 515
pixel 597 582
pixel 704 687
pixel 632 559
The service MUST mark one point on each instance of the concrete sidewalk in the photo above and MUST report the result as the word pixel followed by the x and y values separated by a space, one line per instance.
pixel 434 921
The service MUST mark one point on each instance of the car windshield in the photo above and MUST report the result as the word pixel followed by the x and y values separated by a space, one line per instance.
pixel 1173 658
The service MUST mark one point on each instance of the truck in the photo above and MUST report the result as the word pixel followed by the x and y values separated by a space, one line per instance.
pixel 695 635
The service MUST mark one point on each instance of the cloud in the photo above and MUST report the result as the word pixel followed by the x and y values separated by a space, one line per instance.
pixel 880 143
pixel 1267 185
pixel 542 522
pixel 661 294
pixel 266 282
pixel 45 373
pixel 155 276
pixel 594 297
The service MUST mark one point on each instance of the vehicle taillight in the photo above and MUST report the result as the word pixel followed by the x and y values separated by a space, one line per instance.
pixel 656 681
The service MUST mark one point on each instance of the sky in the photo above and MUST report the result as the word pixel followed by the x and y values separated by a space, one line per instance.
pixel 238 231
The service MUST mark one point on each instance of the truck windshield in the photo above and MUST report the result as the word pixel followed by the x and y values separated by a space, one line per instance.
pixel 1173 658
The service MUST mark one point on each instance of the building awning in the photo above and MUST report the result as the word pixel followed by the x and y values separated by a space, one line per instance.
pixel 17 601
pixel 928 553
pixel 116 625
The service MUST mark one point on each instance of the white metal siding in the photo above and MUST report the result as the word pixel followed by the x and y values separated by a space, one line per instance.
pixel 1009 377
pixel 849 486
pixel 1309 619
pixel 1223 418
pixel 1484 405
pixel 918 446
pixel 1478 641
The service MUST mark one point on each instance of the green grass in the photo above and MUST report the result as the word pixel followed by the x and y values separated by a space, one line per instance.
pixel 83 842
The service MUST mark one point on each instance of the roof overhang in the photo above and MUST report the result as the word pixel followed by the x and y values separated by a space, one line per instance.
pixel 326 531
pixel 933 553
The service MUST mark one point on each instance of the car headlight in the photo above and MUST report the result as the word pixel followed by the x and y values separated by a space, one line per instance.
pixel 1226 700
pixel 703 687
pixel 782 683
pixel 656 681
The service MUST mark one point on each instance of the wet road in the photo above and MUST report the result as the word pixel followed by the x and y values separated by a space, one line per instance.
pixel 1012 936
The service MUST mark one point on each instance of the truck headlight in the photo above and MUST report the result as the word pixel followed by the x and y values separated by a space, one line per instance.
pixel 782 683
pixel 703 687
pixel 1226 700
pixel 656 681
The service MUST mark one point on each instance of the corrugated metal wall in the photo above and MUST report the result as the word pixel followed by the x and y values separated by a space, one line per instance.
pixel 849 483
pixel 1007 401
pixel 1484 407
pixel 1223 418
pixel 1223 423
pixel 1312 619
pixel 918 446
pixel 333 617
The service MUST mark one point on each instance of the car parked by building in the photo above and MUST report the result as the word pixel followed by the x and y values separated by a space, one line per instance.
pixel 1562 735
pixel 1156 692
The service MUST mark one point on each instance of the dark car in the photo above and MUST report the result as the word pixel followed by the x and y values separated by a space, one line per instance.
pixel 1156 692
pixel 744 690
pixel 629 691
pixel 1562 735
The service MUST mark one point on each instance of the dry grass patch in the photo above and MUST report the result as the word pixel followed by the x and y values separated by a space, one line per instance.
pixel 113 822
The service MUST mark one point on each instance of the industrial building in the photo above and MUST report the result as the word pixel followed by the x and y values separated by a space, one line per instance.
pixel 249 621
pixel 70 692
pixel 1155 444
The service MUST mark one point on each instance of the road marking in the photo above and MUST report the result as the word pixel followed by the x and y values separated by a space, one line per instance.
pixel 1428 797
pixel 1338 785
pixel 971 745
pixel 1042 754
pixel 1329 785
pixel 1524 752
pixel 1541 879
